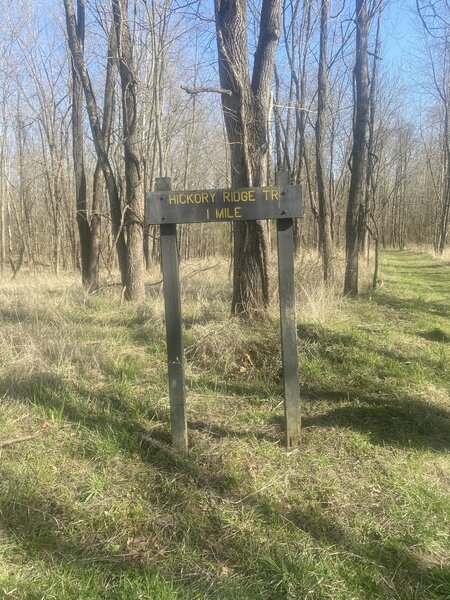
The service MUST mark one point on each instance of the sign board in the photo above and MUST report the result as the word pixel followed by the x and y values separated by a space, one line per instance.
pixel 166 208
pixel 203 206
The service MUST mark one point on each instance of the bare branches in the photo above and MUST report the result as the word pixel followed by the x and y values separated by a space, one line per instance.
pixel 431 13
pixel 202 90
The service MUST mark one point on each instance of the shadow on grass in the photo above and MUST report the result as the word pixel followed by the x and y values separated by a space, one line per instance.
pixel 406 570
pixel 378 403
pixel 435 335
pixel 313 332
pixel 385 417
pixel 407 422
pixel 109 415
pixel 440 309
pixel 46 527
pixel 69 566
pixel 47 530
pixel 427 278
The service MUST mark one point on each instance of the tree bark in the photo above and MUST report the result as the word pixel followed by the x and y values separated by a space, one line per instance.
pixel 134 217
pixel 355 197
pixel 78 154
pixel 100 143
pixel 444 220
pixel 326 242
pixel 246 112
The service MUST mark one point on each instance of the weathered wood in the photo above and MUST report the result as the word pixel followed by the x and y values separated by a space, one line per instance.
pixel 285 239
pixel 169 258
pixel 172 303
pixel 203 206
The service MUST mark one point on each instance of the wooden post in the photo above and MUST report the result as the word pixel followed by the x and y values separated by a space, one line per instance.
pixel 174 336
pixel 285 240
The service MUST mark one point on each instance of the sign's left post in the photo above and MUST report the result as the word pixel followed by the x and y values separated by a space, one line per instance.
pixel 174 335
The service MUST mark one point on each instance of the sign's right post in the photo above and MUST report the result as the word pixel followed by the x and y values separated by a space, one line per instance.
pixel 285 241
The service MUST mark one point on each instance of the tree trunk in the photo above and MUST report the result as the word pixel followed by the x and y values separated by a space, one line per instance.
pixel 369 199
pixel 78 154
pixel 444 220
pixel 326 242
pixel 100 143
pixel 134 217
pixel 355 196
pixel 246 113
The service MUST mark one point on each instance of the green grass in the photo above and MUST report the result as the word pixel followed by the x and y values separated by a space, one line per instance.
pixel 360 511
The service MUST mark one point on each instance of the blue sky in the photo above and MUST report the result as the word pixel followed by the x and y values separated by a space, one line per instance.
pixel 400 31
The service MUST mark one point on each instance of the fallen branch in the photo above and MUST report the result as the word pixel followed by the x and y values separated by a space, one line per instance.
pixel 25 438
pixel 177 457
pixel 174 457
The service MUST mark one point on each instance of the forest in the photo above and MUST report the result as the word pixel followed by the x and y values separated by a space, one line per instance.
pixel 100 99
pixel 176 421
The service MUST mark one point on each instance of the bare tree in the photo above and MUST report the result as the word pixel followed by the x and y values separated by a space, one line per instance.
pixel 78 155
pixel 134 215
pixel 246 112
pixel 101 141
pixel 326 241
pixel 355 197
pixel 435 18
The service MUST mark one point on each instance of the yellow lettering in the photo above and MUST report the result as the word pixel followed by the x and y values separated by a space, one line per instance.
pixel 226 196
pixel 220 214
pixel 265 192
pixel 237 212
pixel 197 198
pixel 173 199
pixel 207 213
pixel 251 196
pixel 275 194
pixel 213 197
pixel 205 197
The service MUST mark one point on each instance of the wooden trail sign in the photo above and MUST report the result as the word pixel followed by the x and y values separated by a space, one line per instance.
pixel 166 208
pixel 203 206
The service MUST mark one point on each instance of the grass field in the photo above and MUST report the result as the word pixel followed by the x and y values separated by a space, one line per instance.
pixel 88 510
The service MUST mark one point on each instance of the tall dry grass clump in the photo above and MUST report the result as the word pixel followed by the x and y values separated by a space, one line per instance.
pixel 320 302
pixel 51 327
pixel 36 331
pixel 216 341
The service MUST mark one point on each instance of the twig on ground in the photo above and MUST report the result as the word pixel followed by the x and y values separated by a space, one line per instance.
pixel 4 443
pixel 39 510
pixel 177 458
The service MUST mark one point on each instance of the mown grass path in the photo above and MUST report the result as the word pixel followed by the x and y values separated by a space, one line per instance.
pixel 361 511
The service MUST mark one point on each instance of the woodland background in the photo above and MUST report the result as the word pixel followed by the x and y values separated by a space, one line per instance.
pixel 179 129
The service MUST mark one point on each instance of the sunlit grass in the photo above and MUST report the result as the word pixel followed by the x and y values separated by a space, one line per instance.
pixel 361 510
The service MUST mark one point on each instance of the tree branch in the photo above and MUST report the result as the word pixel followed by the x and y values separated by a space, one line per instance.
pixel 201 90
